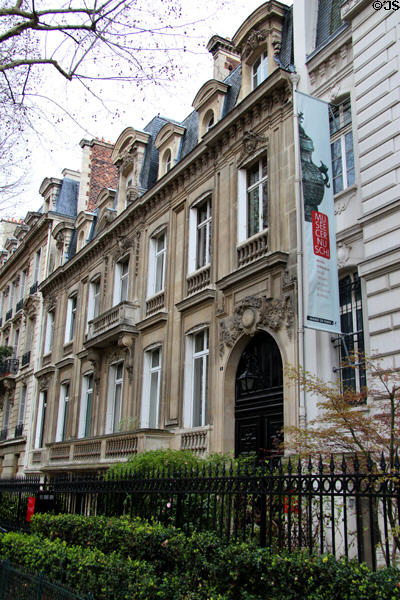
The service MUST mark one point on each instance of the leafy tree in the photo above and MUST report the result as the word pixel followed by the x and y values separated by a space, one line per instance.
pixel 86 41
pixel 366 421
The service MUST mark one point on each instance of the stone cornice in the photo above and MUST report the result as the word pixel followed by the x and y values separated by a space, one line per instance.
pixel 265 104
pixel 272 260
pixel 351 8
pixel 25 247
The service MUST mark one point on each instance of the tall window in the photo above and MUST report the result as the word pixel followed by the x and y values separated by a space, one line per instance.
pixel 22 285
pixel 341 146
pixel 11 296
pixel 85 413
pixel 196 379
pixel 41 419
pixel 151 388
pixel 21 408
pixel 203 245
pixel 49 333
pixel 167 161
pixel 259 70
pixel 71 318
pixel 352 340
pixel 36 266
pixel 94 299
pixel 157 263
pixel 121 281
pixel 62 419
pixel 114 403
pixel 16 342
pixel 257 197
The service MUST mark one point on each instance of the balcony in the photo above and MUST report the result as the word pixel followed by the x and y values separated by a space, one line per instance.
pixel 101 450
pixel 3 434
pixel 19 429
pixel 199 280
pixel 1 322
pixel 107 327
pixel 26 359
pixel 155 304
pixel 33 288
pixel 19 305
pixel 9 367
pixel 252 249
pixel 197 440
pixel 9 314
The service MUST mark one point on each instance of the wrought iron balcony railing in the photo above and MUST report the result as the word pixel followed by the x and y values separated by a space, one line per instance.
pixel 3 434
pixel 19 305
pixel 9 367
pixel 26 359
pixel 9 314
pixel 33 288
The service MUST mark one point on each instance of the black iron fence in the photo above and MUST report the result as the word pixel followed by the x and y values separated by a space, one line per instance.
pixel 18 585
pixel 340 508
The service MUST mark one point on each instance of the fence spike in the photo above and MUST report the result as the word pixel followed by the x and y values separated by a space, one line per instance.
pixel 356 463
pixel 280 469
pixel 231 469
pixel 344 464
pixel 332 464
pixel 369 462
pixel 289 467
pixel 320 464
pixel 382 462
pixel 299 468
pixel 309 466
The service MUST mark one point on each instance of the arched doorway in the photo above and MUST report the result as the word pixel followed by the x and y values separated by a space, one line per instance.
pixel 259 397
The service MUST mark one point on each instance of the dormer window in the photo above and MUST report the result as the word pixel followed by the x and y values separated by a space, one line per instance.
pixel 167 161
pixel 260 70
pixel 209 120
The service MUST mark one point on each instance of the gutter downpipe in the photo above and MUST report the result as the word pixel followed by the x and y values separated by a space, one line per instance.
pixel 299 232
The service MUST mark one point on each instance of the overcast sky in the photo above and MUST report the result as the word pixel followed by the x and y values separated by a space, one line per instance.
pixel 55 146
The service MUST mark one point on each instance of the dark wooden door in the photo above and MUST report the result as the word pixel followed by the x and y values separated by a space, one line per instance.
pixel 259 398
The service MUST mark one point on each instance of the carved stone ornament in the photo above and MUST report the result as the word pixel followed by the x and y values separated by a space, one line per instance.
pixel 276 43
pixel 253 41
pixel 31 305
pixel 127 342
pixel 51 302
pixel 252 313
pixel 343 254
pixel 44 382
pixel 94 359
pixel 123 245
pixel 252 142
pixel 60 239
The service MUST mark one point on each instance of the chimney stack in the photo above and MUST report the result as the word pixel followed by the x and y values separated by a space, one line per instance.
pixel 226 59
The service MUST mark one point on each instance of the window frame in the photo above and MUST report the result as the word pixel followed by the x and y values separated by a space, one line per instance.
pixel 86 405
pixel 259 73
pixel 62 414
pixel 149 408
pixel 94 299
pixel 245 189
pixel 114 383
pixel 194 357
pixel 41 419
pixel 121 280
pixel 352 339
pixel 70 322
pixel 341 138
pixel 22 405
pixel 196 230
pixel 155 255
pixel 49 332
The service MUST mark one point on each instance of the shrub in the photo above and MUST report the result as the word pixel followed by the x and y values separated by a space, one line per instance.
pixel 106 576
pixel 202 567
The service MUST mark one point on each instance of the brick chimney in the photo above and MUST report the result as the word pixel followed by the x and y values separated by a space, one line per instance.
pixel 97 171
pixel 226 59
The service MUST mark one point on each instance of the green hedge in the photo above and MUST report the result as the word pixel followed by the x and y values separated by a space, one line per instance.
pixel 83 570
pixel 201 567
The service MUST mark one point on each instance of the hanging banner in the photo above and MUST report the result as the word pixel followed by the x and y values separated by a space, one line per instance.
pixel 321 288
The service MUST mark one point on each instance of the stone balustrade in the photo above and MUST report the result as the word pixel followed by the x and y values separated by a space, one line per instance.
pixel 199 280
pixel 155 303
pixel 196 440
pixel 252 249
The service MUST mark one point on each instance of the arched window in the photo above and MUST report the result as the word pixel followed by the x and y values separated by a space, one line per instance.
pixel 167 161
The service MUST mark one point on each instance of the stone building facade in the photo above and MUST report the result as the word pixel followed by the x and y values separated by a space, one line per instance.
pixel 175 311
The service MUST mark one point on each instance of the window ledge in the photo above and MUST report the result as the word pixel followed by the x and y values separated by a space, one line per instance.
pixel 349 190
